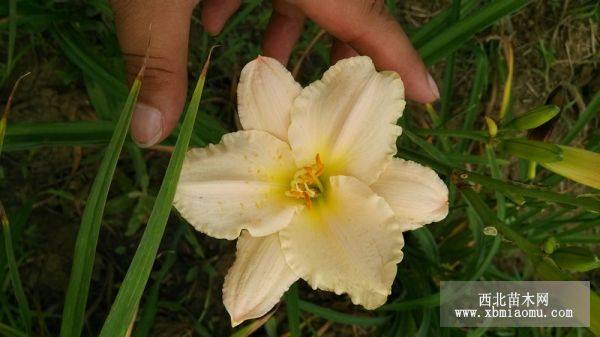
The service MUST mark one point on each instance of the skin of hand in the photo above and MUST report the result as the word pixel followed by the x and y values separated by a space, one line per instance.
pixel 357 26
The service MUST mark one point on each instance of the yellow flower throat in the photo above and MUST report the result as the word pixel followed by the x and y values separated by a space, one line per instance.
pixel 306 184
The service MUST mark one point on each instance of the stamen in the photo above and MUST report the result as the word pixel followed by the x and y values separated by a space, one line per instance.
pixel 306 183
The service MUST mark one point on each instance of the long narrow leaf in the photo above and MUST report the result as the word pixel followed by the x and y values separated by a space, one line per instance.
pixel 453 37
pixel 448 80
pixel 150 308
pixel 479 85
pixel 588 203
pixel 438 23
pixel 87 237
pixel 592 110
pixel 70 46
pixel 12 36
pixel 123 309
pixel 14 272
pixel 293 310
pixel 545 267
pixel 340 317
pixel 9 331
pixel 4 119
pixel 26 136
pixel 423 302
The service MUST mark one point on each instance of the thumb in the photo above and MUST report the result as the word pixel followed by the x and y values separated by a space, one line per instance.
pixel 366 26
pixel 164 87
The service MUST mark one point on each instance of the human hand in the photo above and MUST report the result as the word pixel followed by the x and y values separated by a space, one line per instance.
pixel 358 27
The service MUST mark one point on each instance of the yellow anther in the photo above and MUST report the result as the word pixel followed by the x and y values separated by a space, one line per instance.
pixel 306 184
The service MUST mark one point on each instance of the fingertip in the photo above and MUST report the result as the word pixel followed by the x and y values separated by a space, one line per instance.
pixel 215 14
pixel 161 101
pixel 282 33
pixel 420 88
pixel 435 92
pixel 340 50
pixel 211 24
pixel 280 37
pixel 157 112
pixel 147 124
pixel 419 85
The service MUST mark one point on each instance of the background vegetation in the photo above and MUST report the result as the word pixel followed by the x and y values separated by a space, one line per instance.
pixel 61 152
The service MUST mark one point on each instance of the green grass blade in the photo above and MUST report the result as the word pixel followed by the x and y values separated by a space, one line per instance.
pixel 340 317
pixel 13 271
pixel 487 260
pixel 453 37
pixel 489 218
pixel 464 134
pixel 9 331
pixel 592 110
pixel 12 36
pixel 4 119
pixel 545 267
pixel 496 174
pixel 293 310
pixel 26 136
pixel 150 309
pixel 438 24
pixel 447 86
pixel 131 290
pixel 448 81
pixel 87 237
pixel 101 99
pixel 588 203
pixel 423 302
pixel 425 146
pixel 70 46
pixel 479 85
pixel 427 244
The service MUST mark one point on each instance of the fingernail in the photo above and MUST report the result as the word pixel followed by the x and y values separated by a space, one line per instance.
pixel 146 125
pixel 433 86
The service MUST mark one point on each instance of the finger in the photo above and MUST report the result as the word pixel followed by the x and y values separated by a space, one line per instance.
pixel 370 30
pixel 164 86
pixel 340 50
pixel 283 31
pixel 215 14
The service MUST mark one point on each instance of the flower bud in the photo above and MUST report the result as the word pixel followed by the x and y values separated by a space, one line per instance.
pixel 576 259
pixel 579 165
pixel 550 245
pixel 492 127
pixel 534 118
pixel 540 152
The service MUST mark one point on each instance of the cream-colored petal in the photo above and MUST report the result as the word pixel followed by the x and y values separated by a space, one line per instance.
pixel 258 278
pixel 238 184
pixel 415 192
pixel 350 242
pixel 265 94
pixel 349 118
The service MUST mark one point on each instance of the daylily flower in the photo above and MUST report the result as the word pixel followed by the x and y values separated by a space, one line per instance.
pixel 310 187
